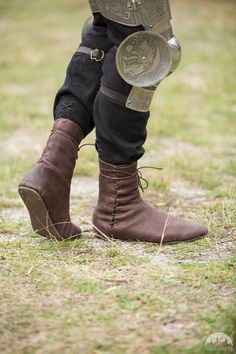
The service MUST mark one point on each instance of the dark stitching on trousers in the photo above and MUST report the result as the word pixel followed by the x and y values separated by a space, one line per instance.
pixel 66 107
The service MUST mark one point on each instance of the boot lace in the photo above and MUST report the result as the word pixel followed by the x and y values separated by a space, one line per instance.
pixel 143 182
pixel 81 146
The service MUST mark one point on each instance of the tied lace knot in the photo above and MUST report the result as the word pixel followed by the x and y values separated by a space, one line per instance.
pixel 143 182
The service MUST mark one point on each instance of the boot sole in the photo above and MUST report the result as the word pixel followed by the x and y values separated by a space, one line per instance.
pixel 39 215
pixel 101 236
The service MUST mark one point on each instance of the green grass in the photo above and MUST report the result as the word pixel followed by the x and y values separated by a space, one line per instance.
pixel 94 296
pixel 117 304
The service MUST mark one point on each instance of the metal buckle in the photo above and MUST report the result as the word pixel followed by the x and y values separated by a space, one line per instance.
pixel 97 55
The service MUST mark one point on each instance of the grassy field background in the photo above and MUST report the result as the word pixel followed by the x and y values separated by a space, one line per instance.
pixel 94 296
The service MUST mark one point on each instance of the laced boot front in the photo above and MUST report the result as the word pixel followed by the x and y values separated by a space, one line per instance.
pixel 45 190
pixel 121 213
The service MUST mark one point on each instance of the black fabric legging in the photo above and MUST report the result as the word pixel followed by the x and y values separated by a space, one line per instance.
pixel 120 132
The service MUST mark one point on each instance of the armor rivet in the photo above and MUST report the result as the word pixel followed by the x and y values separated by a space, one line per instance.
pixel 151 26
pixel 144 58
pixel 129 102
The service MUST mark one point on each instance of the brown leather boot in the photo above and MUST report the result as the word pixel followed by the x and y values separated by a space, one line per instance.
pixel 121 213
pixel 45 190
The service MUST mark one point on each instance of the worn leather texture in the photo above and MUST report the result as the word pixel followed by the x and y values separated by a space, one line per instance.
pixel 121 212
pixel 51 176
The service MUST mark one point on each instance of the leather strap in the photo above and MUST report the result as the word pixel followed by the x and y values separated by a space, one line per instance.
pixel 118 97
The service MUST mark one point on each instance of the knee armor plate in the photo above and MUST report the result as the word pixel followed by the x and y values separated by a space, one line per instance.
pixel 143 59
pixel 146 57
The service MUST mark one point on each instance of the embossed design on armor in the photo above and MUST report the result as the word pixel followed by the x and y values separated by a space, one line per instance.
pixel 153 12
pixel 149 13
pixel 117 8
pixel 143 59
pixel 139 56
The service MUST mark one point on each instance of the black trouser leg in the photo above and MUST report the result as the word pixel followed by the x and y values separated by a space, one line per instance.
pixel 120 131
pixel 75 98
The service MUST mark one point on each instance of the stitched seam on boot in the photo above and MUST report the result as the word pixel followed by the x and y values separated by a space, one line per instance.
pixel 114 210
pixel 48 146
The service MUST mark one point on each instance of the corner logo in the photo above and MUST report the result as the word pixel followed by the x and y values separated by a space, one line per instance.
pixel 219 342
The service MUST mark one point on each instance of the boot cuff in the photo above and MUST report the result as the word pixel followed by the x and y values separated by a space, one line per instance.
pixel 70 128
pixel 119 171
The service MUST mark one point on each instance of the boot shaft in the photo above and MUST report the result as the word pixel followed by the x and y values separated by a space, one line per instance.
pixel 60 152
pixel 118 185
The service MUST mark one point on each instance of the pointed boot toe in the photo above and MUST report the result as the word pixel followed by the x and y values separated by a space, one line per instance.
pixel 199 231
pixel 184 230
